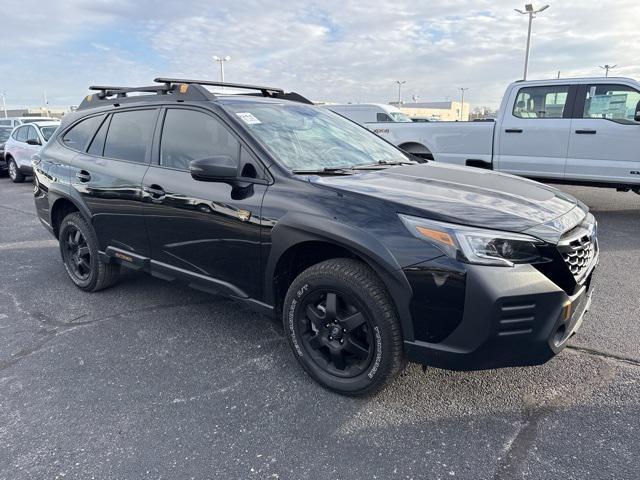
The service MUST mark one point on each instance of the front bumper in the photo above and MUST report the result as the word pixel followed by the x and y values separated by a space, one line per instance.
pixel 511 317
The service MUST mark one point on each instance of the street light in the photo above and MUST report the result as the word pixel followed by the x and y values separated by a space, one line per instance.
pixel 221 60
pixel 400 83
pixel 606 67
pixel 529 10
pixel 462 90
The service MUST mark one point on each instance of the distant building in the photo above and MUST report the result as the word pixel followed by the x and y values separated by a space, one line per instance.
pixel 34 112
pixel 443 111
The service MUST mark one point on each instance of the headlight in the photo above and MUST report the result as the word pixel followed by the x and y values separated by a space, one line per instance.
pixel 476 245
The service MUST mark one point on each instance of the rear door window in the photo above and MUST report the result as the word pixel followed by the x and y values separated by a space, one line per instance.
pixel 78 136
pixel 618 103
pixel 129 135
pixel 541 102
pixel 21 134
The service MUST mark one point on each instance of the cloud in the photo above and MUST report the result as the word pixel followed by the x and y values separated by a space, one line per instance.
pixel 333 50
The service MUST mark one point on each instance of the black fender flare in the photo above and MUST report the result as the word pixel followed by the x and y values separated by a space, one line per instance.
pixel 58 192
pixel 295 228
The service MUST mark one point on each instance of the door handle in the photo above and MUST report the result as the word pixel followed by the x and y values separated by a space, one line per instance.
pixel 586 132
pixel 83 176
pixel 155 191
pixel 513 130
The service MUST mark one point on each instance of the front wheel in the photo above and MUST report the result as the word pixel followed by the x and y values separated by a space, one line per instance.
pixel 79 250
pixel 15 174
pixel 342 326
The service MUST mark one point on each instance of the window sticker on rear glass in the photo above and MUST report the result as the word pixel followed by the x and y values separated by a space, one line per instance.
pixel 248 118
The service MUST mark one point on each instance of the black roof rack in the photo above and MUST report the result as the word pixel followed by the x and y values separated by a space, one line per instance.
pixel 121 92
pixel 271 92
pixel 181 89
pixel 265 90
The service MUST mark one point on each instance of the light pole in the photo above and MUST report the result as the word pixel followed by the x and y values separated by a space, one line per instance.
pixel 462 90
pixel 400 83
pixel 529 10
pixel 221 60
pixel 606 67
pixel 4 104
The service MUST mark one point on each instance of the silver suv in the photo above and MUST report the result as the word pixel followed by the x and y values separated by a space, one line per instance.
pixel 25 141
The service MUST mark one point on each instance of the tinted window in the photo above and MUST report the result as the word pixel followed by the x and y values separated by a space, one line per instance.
pixel 78 136
pixel 129 135
pixel 4 134
pixel 97 144
pixel 383 117
pixel 613 102
pixel 189 135
pixel 6 122
pixel 541 102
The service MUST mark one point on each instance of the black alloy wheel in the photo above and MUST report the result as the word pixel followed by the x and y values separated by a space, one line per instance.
pixel 76 253
pixel 336 333
pixel 80 255
pixel 343 328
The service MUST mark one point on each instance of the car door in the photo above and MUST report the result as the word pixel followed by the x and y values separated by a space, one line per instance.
pixel 605 137
pixel 32 145
pixel 534 133
pixel 108 177
pixel 207 231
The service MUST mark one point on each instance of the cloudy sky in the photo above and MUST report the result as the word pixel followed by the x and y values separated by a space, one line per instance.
pixel 331 50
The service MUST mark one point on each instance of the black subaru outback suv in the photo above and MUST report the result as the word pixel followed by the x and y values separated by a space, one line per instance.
pixel 370 257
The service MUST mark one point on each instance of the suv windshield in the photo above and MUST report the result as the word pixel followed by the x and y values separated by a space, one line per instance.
pixel 48 131
pixel 307 137
pixel 400 117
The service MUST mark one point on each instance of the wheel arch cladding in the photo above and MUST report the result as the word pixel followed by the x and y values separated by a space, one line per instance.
pixel 296 232
pixel 63 206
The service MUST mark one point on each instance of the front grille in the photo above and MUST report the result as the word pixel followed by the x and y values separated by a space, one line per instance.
pixel 578 248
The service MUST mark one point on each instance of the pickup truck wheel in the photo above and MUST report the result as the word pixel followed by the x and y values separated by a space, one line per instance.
pixel 14 172
pixel 342 326
pixel 79 250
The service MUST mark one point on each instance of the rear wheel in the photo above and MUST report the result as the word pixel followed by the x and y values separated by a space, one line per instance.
pixel 79 250
pixel 342 327
pixel 14 172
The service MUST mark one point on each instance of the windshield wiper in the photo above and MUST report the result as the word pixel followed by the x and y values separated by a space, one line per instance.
pixel 382 164
pixel 336 170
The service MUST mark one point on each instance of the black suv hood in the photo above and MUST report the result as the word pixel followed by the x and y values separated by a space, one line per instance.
pixel 463 195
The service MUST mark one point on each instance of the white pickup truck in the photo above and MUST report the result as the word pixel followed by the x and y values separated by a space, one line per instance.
pixel 582 131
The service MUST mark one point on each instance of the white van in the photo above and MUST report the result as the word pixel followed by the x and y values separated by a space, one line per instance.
pixel 370 113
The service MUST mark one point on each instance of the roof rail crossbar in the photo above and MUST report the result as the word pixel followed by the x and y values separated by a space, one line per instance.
pixel 120 92
pixel 266 91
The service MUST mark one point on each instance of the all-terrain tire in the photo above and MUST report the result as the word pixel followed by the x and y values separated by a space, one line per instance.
pixel 358 289
pixel 95 275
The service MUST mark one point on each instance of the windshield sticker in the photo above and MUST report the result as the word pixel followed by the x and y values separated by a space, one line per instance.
pixel 248 118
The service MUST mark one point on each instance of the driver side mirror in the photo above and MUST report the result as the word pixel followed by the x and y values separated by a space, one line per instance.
pixel 637 115
pixel 33 141
pixel 218 168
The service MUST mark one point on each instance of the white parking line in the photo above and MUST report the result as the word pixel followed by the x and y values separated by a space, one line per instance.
pixel 29 244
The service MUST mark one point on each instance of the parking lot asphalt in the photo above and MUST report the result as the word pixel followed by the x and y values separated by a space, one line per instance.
pixel 154 380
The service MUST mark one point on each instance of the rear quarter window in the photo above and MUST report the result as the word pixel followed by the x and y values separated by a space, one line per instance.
pixel 77 136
